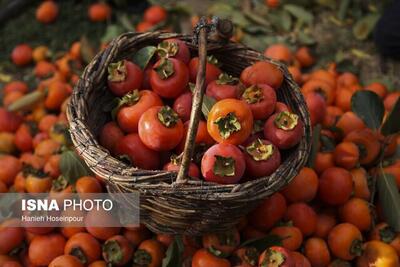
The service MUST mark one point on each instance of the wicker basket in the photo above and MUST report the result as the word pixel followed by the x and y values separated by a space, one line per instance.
pixel 167 206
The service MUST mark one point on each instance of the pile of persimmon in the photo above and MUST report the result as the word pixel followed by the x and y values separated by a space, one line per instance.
pixel 153 113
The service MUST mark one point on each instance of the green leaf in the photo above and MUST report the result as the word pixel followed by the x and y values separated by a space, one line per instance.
pixel 364 26
pixel 143 56
pixel 27 101
pixel 173 256
pixel 305 39
pixel 72 167
pixel 369 107
pixel 390 199
pixel 344 5
pixel 315 145
pixel 300 13
pixel 208 102
pixel 391 125
pixel 87 50
pixel 263 243
pixel 126 22
pixel 112 31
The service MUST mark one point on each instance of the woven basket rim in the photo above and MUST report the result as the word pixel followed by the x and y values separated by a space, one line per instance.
pixel 204 190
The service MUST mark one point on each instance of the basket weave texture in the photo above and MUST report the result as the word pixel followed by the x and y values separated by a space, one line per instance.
pixel 193 207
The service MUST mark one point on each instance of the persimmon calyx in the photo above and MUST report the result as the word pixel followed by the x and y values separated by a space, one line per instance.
pixel 275 258
pixel 130 99
pixel 356 248
pixel 165 69
pixel 167 116
pixel 117 72
pixel 286 121
pixel 167 49
pixel 60 183
pixel 212 60
pixel 260 151
pixel 387 234
pixel 78 252
pixel 251 256
pixel 253 94
pixel 225 78
pixel 228 125
pixel 224 166
pixel 113 251
pixel 142 257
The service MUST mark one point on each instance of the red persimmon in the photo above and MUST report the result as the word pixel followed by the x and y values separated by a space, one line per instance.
pixel 284 129
pixel 261 99
pixel 212 71
pixel 262 72
pixel 223 163
pixel 160 128
pixel 123 77
pixel 183 106
pixel 139 154
pixel 133 105
pixel 204 258
pixel 169 77
pixel 174 48
pixel 262 158
pixel 110 134
pixel 117 250
pixel 225 87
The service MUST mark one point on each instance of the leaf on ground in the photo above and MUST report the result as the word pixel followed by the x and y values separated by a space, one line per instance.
pixel 392 125
pixel 173 256
pixel 300 13
pixel 369 107
pixel 72 167
pixel 112 31
pixel 363 27
pixel 390 199
pixel 27 102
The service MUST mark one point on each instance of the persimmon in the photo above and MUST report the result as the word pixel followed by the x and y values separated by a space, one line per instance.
pixel 367 142
pixel 317 252
pixel 304 56
pixel 44 69
pixel 9 121
pixel 144 26
pixel 390 100
pixel 346 155
pixel 87 185
pixel 262 72
pixel 15 86
pixel 57 93
pixel 335 186
pixel 346 79
pixel 47 12
pixel 7 143
pixel 324 75
pixel 383 232
pixel 34 161
pixel 99 12
pixel 345 241
pixel 53 245
pixel 325 223
pixel 149 253
pixel 279 52
pixel 360 181
pixel 343 98
pixel 11 98
pixel 75 50
pixel 46 148
pixel 21 55
pixel 291 236
pixel 224 242
pixel 296 74
pixel 117 250
pixel 303 187
pixel 272 3
pixel 378 88
pixel 316 106
pixel 155 14
pixel 41 53
pixel 323 161
pixel 303 217
pixel 137 235
pixel 322 87
pixel 349 122
pixel 357 211
pixel 378 254
pixel 332 115
pixel 10 167
pixel 92 220
pixel 269 212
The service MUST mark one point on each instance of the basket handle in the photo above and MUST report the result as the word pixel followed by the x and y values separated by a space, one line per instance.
pixel 223 31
